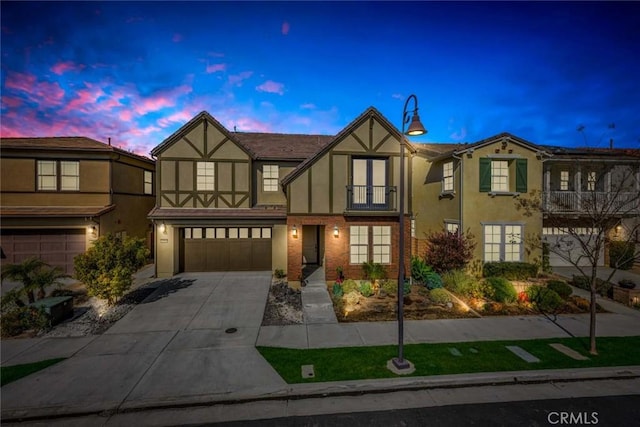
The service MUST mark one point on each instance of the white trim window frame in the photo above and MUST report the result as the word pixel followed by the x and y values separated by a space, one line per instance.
pixel 499 176
pixel 591 181
pixel 358 244
pixel 205 176
pixel 270 177
pixel 69 175
pixel 47 175
pixel 502 242
pixel 564 180
pixel 447 177
pixel 148 182
pixel 381 244
pixel 452 226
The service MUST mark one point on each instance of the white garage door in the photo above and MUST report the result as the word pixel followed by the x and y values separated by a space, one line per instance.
pixel 566 250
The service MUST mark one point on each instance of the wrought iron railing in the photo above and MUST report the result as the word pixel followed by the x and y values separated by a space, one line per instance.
pixel 591 201
pixel 370 197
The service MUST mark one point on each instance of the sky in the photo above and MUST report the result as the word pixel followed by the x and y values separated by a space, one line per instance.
pixel 552 73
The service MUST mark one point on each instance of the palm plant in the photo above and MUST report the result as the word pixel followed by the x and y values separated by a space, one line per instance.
pixel 47 276
pixel 35 275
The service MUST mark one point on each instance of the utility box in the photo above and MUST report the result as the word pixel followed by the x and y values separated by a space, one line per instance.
pixel 57 308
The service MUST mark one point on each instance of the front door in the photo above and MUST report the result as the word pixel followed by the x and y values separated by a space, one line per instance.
pixel 310 244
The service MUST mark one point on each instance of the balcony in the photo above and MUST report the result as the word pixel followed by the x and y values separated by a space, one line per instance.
pixel 586 202
pixel 371 198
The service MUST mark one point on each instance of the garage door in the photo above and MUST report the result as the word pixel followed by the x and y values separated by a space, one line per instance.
pixel 227 249
pixel 55 247
pixel 568 246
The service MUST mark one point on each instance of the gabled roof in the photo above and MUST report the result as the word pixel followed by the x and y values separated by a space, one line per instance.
pixel 64 143
pixel 367 114
pixel 279 146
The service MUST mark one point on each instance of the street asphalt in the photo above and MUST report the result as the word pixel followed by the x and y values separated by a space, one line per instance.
pixel 196 346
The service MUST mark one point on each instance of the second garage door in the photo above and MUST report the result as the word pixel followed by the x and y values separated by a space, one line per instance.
pixel 227 249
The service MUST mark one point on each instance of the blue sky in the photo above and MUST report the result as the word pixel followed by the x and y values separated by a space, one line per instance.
pixel 136 72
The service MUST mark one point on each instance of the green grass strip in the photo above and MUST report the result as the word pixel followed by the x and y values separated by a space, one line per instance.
pixel 357 363
pixel 9 374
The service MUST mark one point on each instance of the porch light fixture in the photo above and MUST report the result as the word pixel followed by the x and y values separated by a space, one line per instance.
pixel 163 228
pixel 92 230
pixel 415 128
pixel 294 232
pixel 336 231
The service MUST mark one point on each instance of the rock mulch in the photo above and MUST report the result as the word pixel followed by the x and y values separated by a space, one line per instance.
pixel 284 305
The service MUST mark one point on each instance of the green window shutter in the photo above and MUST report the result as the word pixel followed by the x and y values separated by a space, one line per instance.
pixel 521 175
pixel 485 175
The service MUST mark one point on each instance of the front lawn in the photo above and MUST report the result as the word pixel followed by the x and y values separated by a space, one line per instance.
pixel 357 363
pixel 9 374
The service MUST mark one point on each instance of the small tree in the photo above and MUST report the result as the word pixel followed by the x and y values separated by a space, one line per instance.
pixel 107 267
pixel 448 251
pixel 25 273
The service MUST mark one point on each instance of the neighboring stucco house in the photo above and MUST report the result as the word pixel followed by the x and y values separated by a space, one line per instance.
pixel 472 187
pixel 58 194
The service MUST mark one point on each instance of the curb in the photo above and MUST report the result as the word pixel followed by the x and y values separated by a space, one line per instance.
pixel 338 389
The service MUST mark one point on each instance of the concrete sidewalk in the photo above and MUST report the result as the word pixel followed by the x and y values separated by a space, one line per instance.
pixel 175 350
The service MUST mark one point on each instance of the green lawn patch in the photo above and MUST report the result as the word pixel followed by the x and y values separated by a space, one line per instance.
pixel 12 373
pixel 357 363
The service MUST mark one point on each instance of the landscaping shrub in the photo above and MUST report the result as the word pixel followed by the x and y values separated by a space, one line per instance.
pixel 406 288
pixel 279 273
pixel 107 267
pixel 544 299
pixel 627 284
pixel 419 270
pixel 336 290
pixel 460 283
pixel 390 287
pixel 21 319
pixel 366 289
pixel 510 270
pixel 349 286
pixel 582 303
pixel 373 271
pixel 621 255
pixel 502 289
pixel 448 251
pixel 439 296
pixel 602 287
pixel 433 280
pixel 560 287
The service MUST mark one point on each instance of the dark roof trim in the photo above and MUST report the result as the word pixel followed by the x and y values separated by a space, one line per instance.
pixel 54 211
pixel 491 140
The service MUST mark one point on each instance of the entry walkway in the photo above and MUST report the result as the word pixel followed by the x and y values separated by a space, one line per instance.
pixel 316 302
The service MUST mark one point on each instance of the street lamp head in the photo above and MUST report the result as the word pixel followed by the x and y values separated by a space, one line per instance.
pixel 416 128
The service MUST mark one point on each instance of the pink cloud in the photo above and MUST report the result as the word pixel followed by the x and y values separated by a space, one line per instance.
pixel 11 102
pixel 248 124
pixel 215 54
pixel 237 79
pixel 43 93
pixel 216 67
pixel 125 115
pixel 177 38
pixel 285 28
pixel 178 117
pixel 161 100
pixel 271 87
pixel 62 67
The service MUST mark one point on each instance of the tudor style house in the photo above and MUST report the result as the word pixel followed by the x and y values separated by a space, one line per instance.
pixel 59 194
pixel 257 201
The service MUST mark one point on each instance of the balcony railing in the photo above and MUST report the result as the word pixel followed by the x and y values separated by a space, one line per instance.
pixel 370 198
pixel 591 201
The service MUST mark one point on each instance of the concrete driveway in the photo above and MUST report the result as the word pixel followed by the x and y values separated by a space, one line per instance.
pixel 177 346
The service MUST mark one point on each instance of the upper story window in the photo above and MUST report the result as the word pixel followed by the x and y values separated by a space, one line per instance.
pixel 148 182
pixel 54 175
pixel 447 177
pixel 564 180
pixel 69 176
pixel 270 178
pixel 205 178
pixel 369 183
pixel 47 175
pixel 496 175
pixel 591 181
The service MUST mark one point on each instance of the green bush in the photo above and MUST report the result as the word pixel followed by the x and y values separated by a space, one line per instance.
pixel 560 287
pixel 510 270
pixel 279 273
pixel 439 296
pixel 373 271
pixel 602 287
pixel 433 280
pixel 502 290
pixel 419 270
pixel 21 319
pixel 460 283
pixel 107 267
pixel 621 255
pixel 336 290
pixel 366 289
pixel 544 299
pixel 390 287
pixel 349 286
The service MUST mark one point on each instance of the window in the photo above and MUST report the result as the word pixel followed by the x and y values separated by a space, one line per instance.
pixel 47 175
pixel 447 177
pixel 270 178
pixel 495 175
pixel 359 244
pixel 451 227
pixel 205 179
pixel 502 242
pixel 499 175
pixel 148 182
pixel 369 179
pixel 381 244
pixel 591 181
pixel 564 180
pixel 69 176
pixel 413 227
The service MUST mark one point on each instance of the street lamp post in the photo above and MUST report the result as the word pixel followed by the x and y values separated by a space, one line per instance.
pixel 415 128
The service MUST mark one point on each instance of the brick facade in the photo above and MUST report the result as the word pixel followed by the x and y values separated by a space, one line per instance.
pixel 336 249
